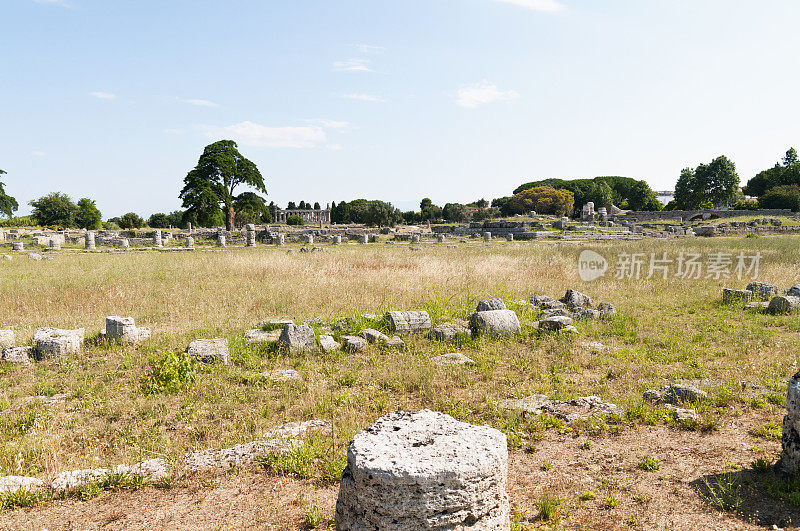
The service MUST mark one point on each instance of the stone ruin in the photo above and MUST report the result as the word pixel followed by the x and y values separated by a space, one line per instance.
pixel 424 470
pixel 124 330
pixel 790 441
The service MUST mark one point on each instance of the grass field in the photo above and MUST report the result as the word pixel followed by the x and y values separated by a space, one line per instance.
pixel 665 330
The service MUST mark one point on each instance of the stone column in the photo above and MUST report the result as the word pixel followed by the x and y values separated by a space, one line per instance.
pixel 309 239
pixel 424 470
pixel 440 238
pixel 415 238
pixel 510 236
pixel 157 238
pixel 280 239
pixel 189 227
pixel 189 242
pixel 220 239
pixel 487 237
pixel 251 238
pixel 89 241
pixel 363 238
pixel 54 244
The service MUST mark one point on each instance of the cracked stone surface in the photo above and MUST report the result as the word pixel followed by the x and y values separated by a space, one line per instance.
pixel 257 335
pixel 374 336
pixel 17 355
pixel 329 344
pixel 452 358
pixel 297 339
pixel 408 322
pixel 209 350
pixel 495 323
pixel 152 469
pixel 6 338
pixel 575 299
pixel 566 410
pixel 491 304
pixel 790 441
pixel 675 394
pixel 354 343
pixel 55 342
pixel 15 483
pixel 424 470
pixel 447 331
pixel 281 375
pixel 278 440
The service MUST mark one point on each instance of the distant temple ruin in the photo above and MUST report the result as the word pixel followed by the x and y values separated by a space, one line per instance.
pixel 307 215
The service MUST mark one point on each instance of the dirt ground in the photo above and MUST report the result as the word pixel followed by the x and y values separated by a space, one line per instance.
pixel 560 466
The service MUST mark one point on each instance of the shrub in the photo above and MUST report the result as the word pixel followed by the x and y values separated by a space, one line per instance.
pixel 544 200
pixel 171 373
pixel 294 220
pixel 787 196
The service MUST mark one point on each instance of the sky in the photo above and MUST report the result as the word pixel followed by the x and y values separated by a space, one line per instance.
pixel 397 100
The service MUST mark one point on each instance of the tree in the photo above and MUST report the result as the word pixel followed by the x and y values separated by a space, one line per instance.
pixel 784 173
pixel 455 212
pixel 714 184
pixel 503 204
pixel 642 197
pixel 219 171
pixel 131 220
pixel 294 220
pixel 544 200
pixel 291 206
pixel 88 216
pixel 317 207
pixel 8 205
pixel 251 208
pixel 429 210
pixel 302 205
pixel 54 209
pixel 158 221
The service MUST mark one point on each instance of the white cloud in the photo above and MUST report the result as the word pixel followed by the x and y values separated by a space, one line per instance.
pixel 369 48
pixel 536 5
pixel 471 96
pixel 38 153
pixel 364 97
pixel 353 65
pixel 252 134
pixel 103 95
pixel 200 103
pixel 333 124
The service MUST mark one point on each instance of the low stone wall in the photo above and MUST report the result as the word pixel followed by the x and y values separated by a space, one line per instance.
pixel 699 215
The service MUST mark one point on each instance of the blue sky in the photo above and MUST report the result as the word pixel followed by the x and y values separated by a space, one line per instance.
pixel 394 100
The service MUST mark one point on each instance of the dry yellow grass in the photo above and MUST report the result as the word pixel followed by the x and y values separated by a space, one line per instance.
pixel 665 330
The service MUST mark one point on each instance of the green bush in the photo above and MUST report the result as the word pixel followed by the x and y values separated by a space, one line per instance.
pixel 171 373
pixel 781 197
pixel 294 220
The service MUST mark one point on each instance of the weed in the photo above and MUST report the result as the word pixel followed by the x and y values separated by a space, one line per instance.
pixel 648 463
pixel 171 373
pixel 313 518
pixel 724 492
pixel 549 508
pixel 586 496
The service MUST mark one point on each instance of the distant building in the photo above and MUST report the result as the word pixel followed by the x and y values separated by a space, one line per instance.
pixel 307 215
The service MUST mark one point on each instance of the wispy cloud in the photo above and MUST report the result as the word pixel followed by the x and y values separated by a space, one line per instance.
pixel 369 48
pixel 536 5
pixel 252 134
pixel 352 65
pixel 363 97
pixel 38 153
pixel 200 103
pixel 103 95
pixel 471 96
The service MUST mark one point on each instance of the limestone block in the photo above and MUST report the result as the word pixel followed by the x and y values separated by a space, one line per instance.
pixel 424 470
pixel 209 350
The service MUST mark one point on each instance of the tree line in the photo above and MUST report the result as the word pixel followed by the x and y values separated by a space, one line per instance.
pixel 209 197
